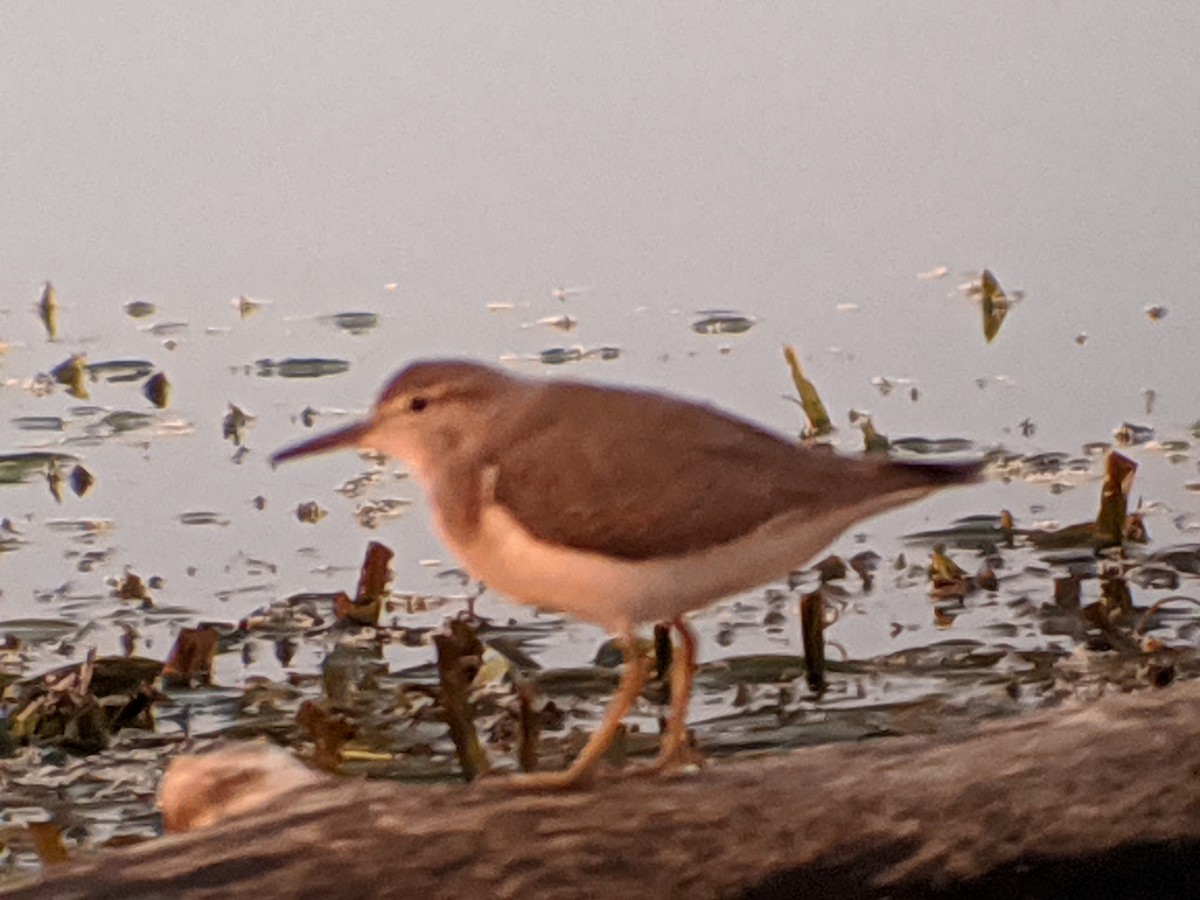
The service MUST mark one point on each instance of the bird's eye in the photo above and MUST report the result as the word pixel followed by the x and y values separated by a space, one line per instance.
pixel 416 404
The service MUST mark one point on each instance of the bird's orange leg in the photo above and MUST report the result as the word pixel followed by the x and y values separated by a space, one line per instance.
pixel 632 679
pixel 675 750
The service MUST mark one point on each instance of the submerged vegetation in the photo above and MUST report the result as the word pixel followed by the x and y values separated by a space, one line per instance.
pixel 386 681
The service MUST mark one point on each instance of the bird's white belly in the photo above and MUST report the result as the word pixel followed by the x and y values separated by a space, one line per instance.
pixel 618 594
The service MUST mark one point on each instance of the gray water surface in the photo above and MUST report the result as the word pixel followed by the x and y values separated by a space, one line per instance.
pixel 448 167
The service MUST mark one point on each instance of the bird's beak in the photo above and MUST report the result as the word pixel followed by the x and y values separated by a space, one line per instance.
pixel 330 440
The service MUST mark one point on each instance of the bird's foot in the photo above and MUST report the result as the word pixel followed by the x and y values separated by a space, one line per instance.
pixel 564 780
pixel 675 757
pixel 685 758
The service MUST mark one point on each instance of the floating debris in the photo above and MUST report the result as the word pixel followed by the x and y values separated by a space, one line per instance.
pixel 48 843
pixel 39 423
pixel 167 329
pixel 993 301
pixel 117 371
pixel 129 636
pixel 140 309
pixel 1176 448
pixel 300 368
pixel 723 322
pixel 36 631
pixel 556 356
pixel 864 565
pixel 85 529
pixel 932 446
pixel 459 655
pixel 54 480
pixel 157 390
pixel 190 660
pixel 121 421
pixel 357 486
pixel 81 481
pixel 310 513
pixel 1113 525
pixel 562 323
pixel 353 322
pixel 247 306
pixel 330 732
pixel 944 571
pixel 886 384
pixel 132 587
pixel 234 425
pixel 285 651
pixel 978 533
pixel 812 633
pixel 1155 313
pixel 48 311
pixel 819 423
pixel 604 354
pixel 372 588
pixel 873 441
pixel 1130 434
pixel 72 373
pixel 563 294
pixel 935 273
pixel 203 518
pixel 1113 519
pixel 81 706
pixel 16 468
pixel 370 513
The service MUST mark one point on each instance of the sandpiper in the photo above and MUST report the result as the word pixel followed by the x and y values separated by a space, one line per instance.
pixel 616 506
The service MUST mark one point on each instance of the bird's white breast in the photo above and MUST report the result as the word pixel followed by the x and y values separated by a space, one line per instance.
pixel 618 594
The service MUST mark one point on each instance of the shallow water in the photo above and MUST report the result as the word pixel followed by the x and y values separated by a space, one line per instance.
pixel 309 202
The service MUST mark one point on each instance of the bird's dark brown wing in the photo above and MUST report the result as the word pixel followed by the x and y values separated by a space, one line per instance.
pixel 637 475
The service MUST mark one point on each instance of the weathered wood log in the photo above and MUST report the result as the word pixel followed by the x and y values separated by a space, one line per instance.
pixel 1098 800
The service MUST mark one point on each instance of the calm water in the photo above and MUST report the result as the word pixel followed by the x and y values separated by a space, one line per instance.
pixel 800 163
pixel 448 168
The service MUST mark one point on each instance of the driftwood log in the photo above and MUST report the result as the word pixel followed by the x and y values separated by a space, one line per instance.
pixel 1101 800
